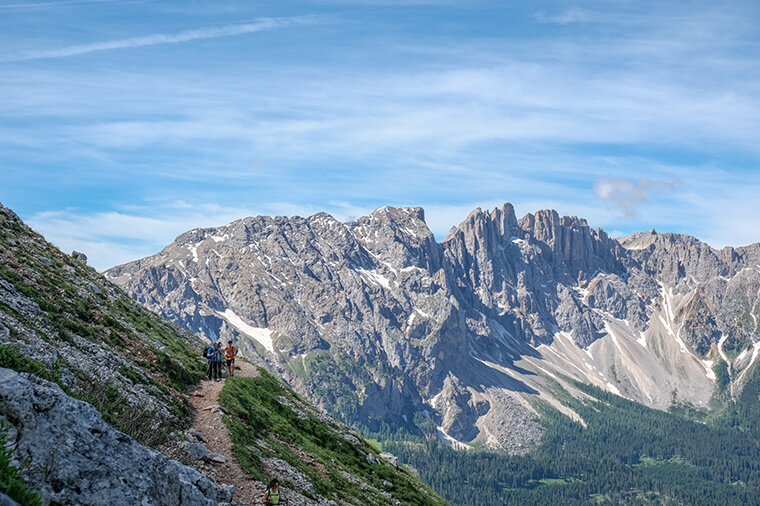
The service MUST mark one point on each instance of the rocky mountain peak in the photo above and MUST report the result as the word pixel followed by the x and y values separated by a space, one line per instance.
pixel 674 257
pixel 638 240
pixel 571 243
pixel 399 213
pixel 487 225
pixel 740 257
pixel 398 238
pixel 194 235
pixel 477 247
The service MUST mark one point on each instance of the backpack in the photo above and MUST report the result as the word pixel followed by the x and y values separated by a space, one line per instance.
pixel 205 352
pixel 268 494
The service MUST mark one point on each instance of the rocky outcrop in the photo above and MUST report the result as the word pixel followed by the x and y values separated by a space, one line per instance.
pixel 460 409
pixel 79 256
pixel 73 457
pixel 574 248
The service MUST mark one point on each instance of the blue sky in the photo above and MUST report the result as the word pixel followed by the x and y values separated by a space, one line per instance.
pixel 125 123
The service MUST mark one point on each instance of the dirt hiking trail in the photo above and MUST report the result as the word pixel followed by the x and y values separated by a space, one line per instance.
pixel 208 421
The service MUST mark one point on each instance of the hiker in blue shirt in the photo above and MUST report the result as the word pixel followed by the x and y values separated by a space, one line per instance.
pixel 213 355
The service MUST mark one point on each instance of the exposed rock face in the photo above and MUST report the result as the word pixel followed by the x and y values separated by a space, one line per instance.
pixel 718 289
pixel 78 255
pixel 375 320
pixel 63 441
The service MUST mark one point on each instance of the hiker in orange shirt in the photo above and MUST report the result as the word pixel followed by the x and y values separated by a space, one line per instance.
pixel 229 354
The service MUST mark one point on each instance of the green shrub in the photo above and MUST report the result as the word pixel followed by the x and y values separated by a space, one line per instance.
pixel 11 358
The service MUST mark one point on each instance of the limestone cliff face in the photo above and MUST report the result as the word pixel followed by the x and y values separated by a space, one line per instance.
pixel 376 320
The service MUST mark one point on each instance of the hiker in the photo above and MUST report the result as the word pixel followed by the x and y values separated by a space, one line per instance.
pixel 212 357
pixel 218 361
pixel 229 354
pixel 272 495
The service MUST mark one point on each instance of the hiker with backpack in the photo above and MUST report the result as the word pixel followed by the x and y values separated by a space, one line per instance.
pixel 219 358
pixel 229 354
pixel 272 495
pixel 213 355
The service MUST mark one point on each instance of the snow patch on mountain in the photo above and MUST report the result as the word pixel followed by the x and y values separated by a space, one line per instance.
pixel 709 369
pixel 452 442
pixel 375 278
pixel 194 251
pixel 262 335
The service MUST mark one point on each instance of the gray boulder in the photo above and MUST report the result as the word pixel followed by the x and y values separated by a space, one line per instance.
pixel 197 450
pixel 389 458
pixel 78 255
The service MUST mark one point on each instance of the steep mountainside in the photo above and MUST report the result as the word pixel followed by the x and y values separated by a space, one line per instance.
pixel 378 322
pixel 92 385
pixel 76 337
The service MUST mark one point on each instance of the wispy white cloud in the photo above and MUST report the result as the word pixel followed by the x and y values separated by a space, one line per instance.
pixel 210 32
pixel 566 17
pixel 47 5
pixel 628 194
pixel 443 110
pixel 449 124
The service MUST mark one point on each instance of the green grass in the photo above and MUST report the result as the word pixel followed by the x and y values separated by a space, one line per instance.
pixel 262 426
pixel 11 358
pixel 646 462
pixel 180 363
pixel 375 444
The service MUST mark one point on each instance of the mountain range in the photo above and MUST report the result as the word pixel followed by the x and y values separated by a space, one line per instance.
pixel 381 324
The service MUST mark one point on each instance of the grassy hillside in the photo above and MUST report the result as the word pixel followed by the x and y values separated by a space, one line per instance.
pixel 61 320
pixel 268 421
